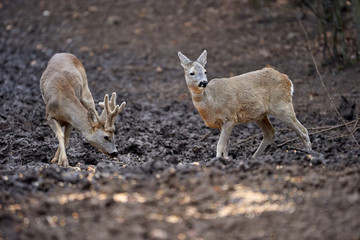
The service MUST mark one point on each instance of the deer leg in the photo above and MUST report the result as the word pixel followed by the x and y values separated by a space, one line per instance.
pixel 223 143
pixel 60 154
pixel 268 132
pixel 300 130
pixel 67 132
pixel 289 118
pixel 56 156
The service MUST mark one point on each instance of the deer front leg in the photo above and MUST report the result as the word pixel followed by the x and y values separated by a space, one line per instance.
pixel 67 132
pixel 223 144
pixel 55 159
pixel 60 155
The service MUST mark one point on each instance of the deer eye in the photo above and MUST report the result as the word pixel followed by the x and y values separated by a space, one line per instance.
pixel 192 73
pixel 205 72
pixel 107 138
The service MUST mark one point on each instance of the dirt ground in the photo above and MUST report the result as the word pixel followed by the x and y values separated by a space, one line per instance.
pixel 166 182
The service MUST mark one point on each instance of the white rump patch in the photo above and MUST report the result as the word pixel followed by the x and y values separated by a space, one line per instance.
pixel 292 87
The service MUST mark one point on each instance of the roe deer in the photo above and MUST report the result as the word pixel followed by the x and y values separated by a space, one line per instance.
pixel 226 102
pixel 69 104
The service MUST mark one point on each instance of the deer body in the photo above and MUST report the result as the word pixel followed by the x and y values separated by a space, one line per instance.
pixel 226 102
pixel 69 104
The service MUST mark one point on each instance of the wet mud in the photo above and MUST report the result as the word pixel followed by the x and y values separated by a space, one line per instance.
pixel 166 182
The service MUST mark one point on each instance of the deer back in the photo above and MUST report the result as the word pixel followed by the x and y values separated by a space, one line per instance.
pixel 63 77
pixel 243 98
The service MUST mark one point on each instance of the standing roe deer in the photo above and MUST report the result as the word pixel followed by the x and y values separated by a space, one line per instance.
pixel 69 104
pixel 226 102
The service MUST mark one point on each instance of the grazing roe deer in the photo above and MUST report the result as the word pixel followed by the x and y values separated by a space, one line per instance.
pixel 250 97
pixel 69 104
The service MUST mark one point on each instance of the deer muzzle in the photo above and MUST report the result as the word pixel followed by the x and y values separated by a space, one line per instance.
pixel 203 84
pixel 113 154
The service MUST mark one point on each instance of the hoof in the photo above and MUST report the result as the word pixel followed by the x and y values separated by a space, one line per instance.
pixel 54 160
pixel 64 163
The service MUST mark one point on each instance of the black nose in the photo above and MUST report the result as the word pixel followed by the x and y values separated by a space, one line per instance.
pixel 203 84
pixel 114 154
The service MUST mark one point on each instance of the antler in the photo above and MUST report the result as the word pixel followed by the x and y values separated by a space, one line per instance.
pixel 111 110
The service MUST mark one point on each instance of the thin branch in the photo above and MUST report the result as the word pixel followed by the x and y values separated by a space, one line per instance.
pixel 317 15
pixel 321 129
pixel 345 135
pixel 325 130
pixel 323 85
pixel 251 137
pixel 357 120
pixel 335 126
pixel 302 150
pixel 206 136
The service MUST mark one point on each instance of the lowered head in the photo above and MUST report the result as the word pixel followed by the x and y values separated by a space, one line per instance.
pixel 102 134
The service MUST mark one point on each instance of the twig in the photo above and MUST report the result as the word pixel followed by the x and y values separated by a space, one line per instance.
pixel 206 136
pixel 323 85
pixel 249 138
pixel 301 150
pixel 317 15
pixel 353 130
pixel 357 120
pixel 345 135
pixel 321 129
pixel 335 126
pixel 325 130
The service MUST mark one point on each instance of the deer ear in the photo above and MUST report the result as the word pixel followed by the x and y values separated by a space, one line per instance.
pixel 202 58
pixel 93 118
pixel 183 59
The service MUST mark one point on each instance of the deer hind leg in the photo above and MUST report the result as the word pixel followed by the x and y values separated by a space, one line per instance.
pixel 60 155
pixel 287 116
pixel 268 132
pixel 223 143
pixel 67 131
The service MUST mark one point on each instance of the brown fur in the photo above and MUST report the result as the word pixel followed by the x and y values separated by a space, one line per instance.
pixel 250 97
pixel 69 103
pixel 258 92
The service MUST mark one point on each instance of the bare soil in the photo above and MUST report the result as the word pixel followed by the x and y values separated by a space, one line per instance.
pixel 166 183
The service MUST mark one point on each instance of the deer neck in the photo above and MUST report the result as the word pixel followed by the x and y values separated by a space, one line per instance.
pixel 205 104
pixel 80 120
pixel 200 100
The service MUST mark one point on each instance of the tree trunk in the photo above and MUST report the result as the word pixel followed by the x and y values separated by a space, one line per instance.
pixel 356 11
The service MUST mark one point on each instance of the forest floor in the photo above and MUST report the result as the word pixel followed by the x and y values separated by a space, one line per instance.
pixel 166 182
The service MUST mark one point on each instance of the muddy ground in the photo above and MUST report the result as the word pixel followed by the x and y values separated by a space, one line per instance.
pixel 166 183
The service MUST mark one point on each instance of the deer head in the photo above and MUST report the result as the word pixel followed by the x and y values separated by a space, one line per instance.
pixel 195 72
pixel 102 136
